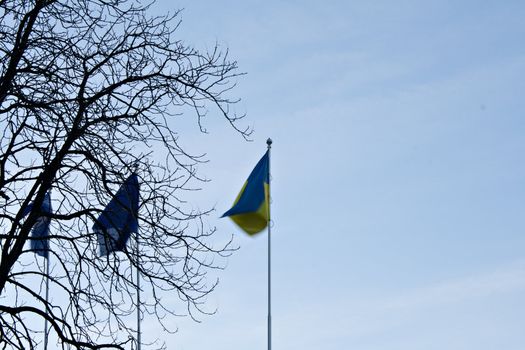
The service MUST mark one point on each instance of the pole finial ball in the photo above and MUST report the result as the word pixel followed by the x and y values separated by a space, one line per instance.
pixel 269 141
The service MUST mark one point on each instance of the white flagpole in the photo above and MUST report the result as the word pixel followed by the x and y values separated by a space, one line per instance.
pixel 269 143
pixel 47 301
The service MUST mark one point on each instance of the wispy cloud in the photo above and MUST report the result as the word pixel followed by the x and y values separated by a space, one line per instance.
pixel 351 320
pixel 506 279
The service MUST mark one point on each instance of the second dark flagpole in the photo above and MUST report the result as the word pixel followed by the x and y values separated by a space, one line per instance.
pixel 269 143
pixel 138 295
pixel 46 339
pixel 137 252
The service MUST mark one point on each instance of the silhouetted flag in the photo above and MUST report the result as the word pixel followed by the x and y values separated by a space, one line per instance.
pixel 250 209
pixel 39 241
pixel 119 219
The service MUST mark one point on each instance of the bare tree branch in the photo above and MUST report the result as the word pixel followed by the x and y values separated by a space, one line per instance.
pixel 89 89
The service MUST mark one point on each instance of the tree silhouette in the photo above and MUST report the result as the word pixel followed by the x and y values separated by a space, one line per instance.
pixel 90 92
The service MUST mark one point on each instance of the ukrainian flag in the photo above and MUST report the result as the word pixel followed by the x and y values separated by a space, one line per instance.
pixel 250 209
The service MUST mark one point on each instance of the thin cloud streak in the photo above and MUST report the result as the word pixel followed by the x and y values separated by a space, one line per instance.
pixel 355 319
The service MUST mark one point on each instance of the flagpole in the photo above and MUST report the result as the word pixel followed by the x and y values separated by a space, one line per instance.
pixel 269 143
pixel 47 301
pixel 138 294
pixel 137 252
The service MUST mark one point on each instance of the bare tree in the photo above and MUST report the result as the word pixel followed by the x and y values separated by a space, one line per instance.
pixel 89 89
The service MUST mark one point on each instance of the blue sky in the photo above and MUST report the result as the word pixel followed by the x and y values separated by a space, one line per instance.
pixel 398 191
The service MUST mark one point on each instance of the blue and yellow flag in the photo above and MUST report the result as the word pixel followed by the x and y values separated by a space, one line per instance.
pixel 250 209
